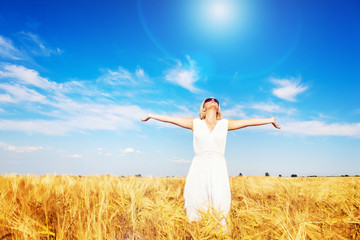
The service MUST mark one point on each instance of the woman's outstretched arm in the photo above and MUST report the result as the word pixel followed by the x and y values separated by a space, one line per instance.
pixel 182 122
pixel 236 124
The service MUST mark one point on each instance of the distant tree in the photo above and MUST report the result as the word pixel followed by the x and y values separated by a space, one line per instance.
pixel 267 174
pixel 240 174
pixel 138 175
pixel 279 175
pixel 293 175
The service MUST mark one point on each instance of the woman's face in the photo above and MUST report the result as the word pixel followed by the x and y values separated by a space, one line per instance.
pixel 211 104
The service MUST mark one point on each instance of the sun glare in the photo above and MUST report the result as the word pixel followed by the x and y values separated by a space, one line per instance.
pixel 219 11
pixel 218 17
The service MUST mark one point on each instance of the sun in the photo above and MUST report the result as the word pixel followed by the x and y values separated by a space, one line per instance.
pixel 217 17
pixel 219 12
pixel 199 24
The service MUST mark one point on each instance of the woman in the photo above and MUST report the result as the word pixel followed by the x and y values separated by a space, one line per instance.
pixel 207 184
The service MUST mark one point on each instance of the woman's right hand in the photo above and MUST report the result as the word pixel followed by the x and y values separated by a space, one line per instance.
pixel 274 123
pixel 146 118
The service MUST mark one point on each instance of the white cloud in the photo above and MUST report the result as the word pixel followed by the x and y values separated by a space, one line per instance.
pixel 5 97
pixel 236 112
pixel 30 43
pixel 17 93
pixel 37 46
pixel 59 51
pixel 47 127
pixel 179 161
pixel 119 77
pixel 92 111
pixel 124 77
pixel 85 117
pixel 185 76
pixel 26 76
pixel 25 149
pixel 288 89
pixel 255 110
pixel 129 150
pixel 7 49
pixel 318 128
pixel 267 107
pixel 271 108
pixel 184 111
pixel 141 75
pixel 76 156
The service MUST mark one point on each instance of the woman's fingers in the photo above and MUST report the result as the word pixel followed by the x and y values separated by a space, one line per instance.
pixel 146 118
pixel 275 125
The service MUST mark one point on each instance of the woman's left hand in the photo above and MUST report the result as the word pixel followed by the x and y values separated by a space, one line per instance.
pixel 146 118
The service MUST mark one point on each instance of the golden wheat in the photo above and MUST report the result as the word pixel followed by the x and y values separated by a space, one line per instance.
pixel 109 207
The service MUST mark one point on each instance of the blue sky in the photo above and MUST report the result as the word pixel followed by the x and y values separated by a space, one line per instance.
pixel 77 76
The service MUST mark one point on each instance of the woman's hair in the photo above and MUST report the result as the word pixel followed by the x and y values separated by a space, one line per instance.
pixel 202 112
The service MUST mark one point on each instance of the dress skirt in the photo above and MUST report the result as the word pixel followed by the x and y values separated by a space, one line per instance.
pixel 207 186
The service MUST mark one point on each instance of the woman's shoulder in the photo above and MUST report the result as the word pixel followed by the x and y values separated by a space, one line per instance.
pixel 197 120
pixel 224 121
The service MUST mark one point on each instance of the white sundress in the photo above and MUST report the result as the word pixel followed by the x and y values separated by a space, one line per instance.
pixel 207 183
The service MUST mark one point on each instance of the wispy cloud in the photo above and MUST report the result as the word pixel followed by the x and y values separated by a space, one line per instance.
pixel 129 150
pixel 288 89
pixel 236 111
pixel 36 46
pixel 141 75
pixel 23 149
pixel 5 98
pixel 271 108
pixel 92 117
pixel 266 107
pixel 25 76
pixel 8 50
pixel 319 128
pixel 57 111
pixel 122 76
pixel 17 93
pixel 182 161
pixel 19 83
pixel 29 44
pixel 254 110
pixel 185 75
pixel 119 77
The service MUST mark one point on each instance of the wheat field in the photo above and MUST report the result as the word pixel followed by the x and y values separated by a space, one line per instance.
pixel 110 207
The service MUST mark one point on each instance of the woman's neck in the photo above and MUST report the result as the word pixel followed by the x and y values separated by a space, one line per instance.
pixel 211 115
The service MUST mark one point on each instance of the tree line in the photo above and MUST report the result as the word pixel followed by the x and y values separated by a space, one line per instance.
pixel 267 174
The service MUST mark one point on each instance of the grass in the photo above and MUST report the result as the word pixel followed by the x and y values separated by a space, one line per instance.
pixel 109 207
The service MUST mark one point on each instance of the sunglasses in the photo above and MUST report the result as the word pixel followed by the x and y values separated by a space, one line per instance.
pixel 210 99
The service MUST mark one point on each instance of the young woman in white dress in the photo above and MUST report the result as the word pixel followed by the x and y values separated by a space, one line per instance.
pixel 207 183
